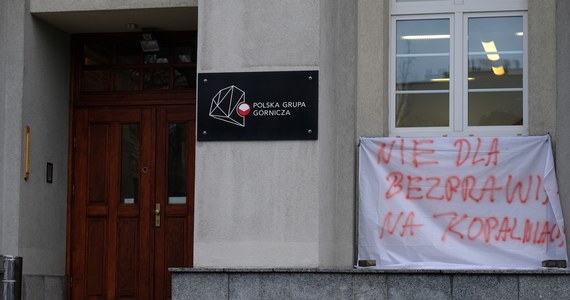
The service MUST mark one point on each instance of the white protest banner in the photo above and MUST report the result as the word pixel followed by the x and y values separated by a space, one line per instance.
pixel 459 203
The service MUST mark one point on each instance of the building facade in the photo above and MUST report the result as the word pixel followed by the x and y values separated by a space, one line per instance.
pixel 244 204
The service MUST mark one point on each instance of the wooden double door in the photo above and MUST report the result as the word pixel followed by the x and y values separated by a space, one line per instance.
pixel 132 200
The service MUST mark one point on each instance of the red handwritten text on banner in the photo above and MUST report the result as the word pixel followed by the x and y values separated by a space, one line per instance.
pixel 459 202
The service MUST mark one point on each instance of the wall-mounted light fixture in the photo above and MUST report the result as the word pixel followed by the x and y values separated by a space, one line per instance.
pixel 132 26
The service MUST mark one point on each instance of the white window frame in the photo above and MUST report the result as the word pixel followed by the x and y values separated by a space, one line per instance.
pixel 455 6
pixel 458 12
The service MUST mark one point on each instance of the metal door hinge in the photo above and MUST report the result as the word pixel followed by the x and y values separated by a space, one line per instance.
pixel 73 190
pixel 74 142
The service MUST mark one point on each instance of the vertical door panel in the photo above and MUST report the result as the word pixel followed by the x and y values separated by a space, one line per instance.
pixel 127 268
pixel 174 193
pixel 96 260
pixel 110 230
pixel 128 161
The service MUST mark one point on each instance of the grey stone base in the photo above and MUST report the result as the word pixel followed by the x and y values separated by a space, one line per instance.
pixel 38 287
pixel 369 284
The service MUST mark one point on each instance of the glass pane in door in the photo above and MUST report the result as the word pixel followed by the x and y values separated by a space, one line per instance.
pixel 177 163
pixel 130 151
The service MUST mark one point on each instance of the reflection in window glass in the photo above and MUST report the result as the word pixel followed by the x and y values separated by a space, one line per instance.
pixel 128 53
pixel 177 163
pixel 422 36
pixel 496 52
pixel 507 72
pixel 96 80
pixel 422 110
pixel 98 54
pixel 184 78
pixel 495 108
pixel 127 79
pixel 505 32
pixel 160 57
pixel 130 149
pixel 495 64
pixel 185 53
pixel 156 79
pixel 422 73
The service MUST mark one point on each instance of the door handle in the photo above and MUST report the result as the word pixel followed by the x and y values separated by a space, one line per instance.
pixel 157 215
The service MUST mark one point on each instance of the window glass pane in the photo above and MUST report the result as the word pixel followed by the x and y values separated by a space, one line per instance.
pixel 507 72
pixel 185 53
pixel 177 163
pixel 96 80
pixel 422 73
pixel 422 110
pixel 130 147
pixel 160 57
pixel 127 79
pixel 422 54
pixel 128 53
pixel 505 32
pixel 496 52
pixel 97 54
pixel 184 78
pixel 156 79
pixel 422 64
pixel 495 108
pixel 422 36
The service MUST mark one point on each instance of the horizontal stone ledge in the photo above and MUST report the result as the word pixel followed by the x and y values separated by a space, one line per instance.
pixel 538 271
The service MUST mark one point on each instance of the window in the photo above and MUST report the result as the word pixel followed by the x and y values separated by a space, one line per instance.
pixel 118 65
pixel 456 70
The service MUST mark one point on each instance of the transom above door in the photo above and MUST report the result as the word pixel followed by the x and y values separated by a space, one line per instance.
pixel 115 70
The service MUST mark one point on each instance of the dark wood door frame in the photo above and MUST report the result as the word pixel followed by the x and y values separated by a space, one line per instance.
pixel 172 104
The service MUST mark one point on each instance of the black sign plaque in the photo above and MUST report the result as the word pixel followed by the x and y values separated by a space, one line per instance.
pixel 258 106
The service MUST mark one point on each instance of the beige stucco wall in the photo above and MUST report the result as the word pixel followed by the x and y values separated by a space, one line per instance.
pixel 279 203
pixel 563 105
pixel 11 97
pixel 542 67
pixel 372 61
pixel 272 204
pixel 43 205
pixel 257 202
pixel 33 212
